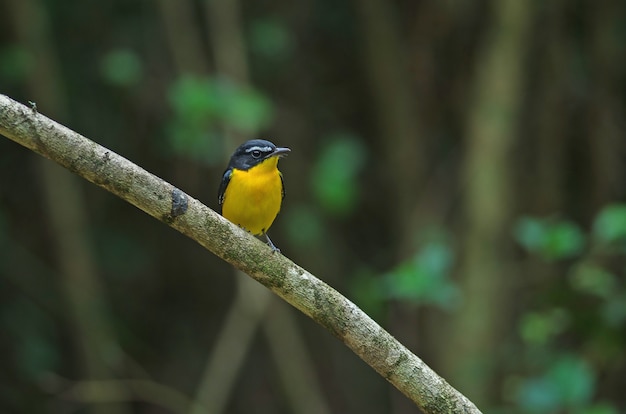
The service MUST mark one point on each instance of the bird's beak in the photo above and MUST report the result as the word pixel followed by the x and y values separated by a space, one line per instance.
pixel 280 152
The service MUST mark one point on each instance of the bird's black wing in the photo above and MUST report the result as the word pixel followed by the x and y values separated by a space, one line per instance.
pixel 225 180
pixel 282 184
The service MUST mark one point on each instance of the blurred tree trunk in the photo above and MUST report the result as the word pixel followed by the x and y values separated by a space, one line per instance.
pixel 469 356
pixel 183 36
pixel 386 62
pixel 605 113
pixel 549 143
pixel 66 208
pixel 229 51
pixel 399 146
pixel 249 311
pixel 188 58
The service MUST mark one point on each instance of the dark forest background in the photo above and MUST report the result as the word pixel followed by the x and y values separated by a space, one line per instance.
pixel 457 170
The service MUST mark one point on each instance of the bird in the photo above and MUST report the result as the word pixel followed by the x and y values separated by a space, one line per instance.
pixel 252 188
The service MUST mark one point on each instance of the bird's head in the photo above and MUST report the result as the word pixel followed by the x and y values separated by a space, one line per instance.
pixel 254 152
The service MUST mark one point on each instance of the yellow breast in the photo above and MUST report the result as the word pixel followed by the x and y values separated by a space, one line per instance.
pixel 252 198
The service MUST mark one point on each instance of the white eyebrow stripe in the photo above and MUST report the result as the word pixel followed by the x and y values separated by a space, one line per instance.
pixel 257 148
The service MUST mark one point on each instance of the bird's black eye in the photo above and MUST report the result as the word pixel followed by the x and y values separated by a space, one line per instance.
pixel 256 154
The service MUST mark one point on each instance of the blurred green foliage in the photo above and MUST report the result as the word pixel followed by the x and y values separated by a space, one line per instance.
pixel 550 238
pixel 566 323
pixel 335 174
pixel 610 225
pixel 121 67
pixel 593 279
pixel 568 381
pixel 565 385
pixel 271 39
pixel 423 279
pixel 201 106
pixel 538 328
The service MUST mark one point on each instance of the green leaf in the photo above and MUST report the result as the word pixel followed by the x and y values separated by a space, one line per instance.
pixel 198 144
pixel 408 281
pixel 614 310
pixel 539 328
pixel 121 67
pixel 574 380
pixel 567 384
pixel 564 240
pixel 552 240
pixel 424 279
pixel 189 132
pixel 194 100
pixel 436 258
pixel 538 395
pixel 592 279
pixel 610 224
pixel 335 174
pixel 200 104
pixel 245 109
pixel 600 408
pixel 368 292
pixel 271 39
pixel 530 233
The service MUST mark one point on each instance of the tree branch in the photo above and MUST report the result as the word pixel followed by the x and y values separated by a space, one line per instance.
pixel 295 285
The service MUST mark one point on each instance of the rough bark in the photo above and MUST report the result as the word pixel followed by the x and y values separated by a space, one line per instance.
pixel 294 284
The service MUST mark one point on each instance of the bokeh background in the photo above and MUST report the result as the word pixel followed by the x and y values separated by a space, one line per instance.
pixel 457 170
